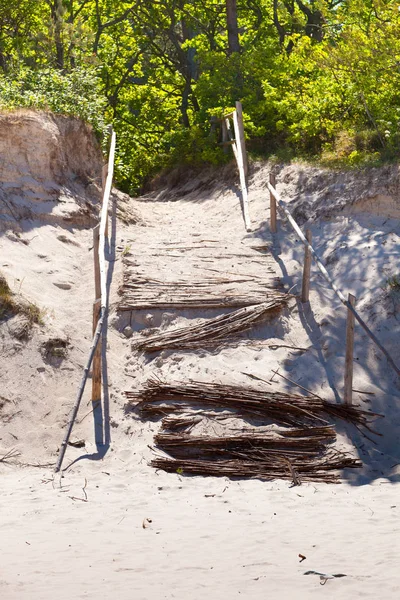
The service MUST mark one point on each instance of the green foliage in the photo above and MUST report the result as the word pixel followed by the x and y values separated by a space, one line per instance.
pixel 317 78
pixel 77 93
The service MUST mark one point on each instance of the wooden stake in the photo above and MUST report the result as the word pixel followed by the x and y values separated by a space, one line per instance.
pixel 305 289
pixel 96 368
pixel 96 259
pixel 348 374
pixel 225 138
pixel 104 173
pixel 272 204
pixel 239 113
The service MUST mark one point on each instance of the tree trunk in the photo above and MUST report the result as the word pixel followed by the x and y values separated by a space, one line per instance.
pixel 56 15
pixel 185 104
pixel 232 26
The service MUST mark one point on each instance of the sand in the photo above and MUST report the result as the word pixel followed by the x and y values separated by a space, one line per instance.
pixel 109 524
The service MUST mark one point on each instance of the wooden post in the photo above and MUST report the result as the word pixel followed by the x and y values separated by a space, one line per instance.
pixel 96 260
pixel 305 288
pixel 104 173
pixel 239 113
pixel 225 137
pixel 348 374
pixel 272 204
pixel 96 367
pixel 238 150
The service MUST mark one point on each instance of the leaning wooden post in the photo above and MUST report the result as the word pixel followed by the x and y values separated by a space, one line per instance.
pixel 239 113
pixel 96 366
pixel 348 374
pixel 272 204
pixel 305 288
pixel 104 173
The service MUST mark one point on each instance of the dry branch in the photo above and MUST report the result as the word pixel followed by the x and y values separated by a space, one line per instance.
pixel 10 455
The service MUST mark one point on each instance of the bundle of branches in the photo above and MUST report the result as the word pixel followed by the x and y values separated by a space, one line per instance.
pixel 212 331
pixel 249 444
pixel 264 467
pixel 140 292
pixel 293 410
pixel 181 422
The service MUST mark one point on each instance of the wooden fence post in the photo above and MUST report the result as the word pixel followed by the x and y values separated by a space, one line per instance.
pixel 239 113
pixel 104 173
pixel 305 288
pixel 272 204
pixel 96 260
pixel 348 373
pixel 96 366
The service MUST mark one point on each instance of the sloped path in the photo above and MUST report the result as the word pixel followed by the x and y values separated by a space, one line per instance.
pixel 200 258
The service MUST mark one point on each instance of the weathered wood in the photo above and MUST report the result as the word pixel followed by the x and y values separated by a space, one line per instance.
pixel 326 275
pixel 348 373
pixel 104 173
pixel 104 219
pixel 225 142
pixel 305 288
pixel 239 113
pixel 272 205
pixel 242 176
pixel 96 368
pixel 96 260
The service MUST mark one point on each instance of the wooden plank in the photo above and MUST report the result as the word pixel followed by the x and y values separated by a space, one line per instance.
pixel 272 205
pixel 242 176
pixel 96 259
pixel 348 365
pixel 96 368
pixel 305 288
pixel 239 113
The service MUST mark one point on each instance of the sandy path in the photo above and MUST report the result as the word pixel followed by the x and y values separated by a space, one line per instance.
pixel 208 536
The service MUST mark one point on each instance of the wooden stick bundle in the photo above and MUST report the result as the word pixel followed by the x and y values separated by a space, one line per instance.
pixel 158 399
pixel 252 444
pixel 278 468
pixel 212 331
pixel 139 292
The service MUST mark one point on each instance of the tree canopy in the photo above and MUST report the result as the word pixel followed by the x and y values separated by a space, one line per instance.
pixel 318 77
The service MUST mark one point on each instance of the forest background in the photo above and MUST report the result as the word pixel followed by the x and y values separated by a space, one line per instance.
pixel 318 79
